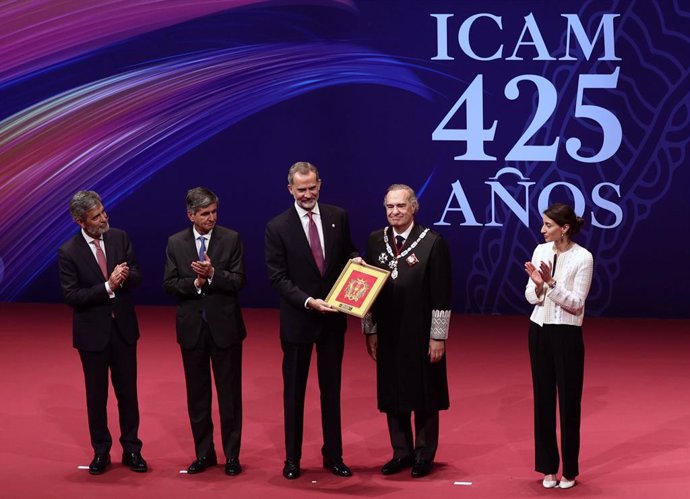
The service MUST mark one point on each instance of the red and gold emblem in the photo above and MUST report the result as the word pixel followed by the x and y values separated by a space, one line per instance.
pixel 356 289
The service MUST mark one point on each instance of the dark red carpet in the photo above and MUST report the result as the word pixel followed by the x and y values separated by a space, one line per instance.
pixel 635 435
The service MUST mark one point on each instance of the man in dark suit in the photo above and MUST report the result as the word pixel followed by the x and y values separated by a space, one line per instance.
pixel 204 270
pixel 97 271
pixel 307 247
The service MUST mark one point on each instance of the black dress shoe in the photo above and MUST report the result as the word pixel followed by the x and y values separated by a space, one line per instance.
pixel 396 465
pixel 421 468
pixel 337 467
pixel 201 463
pixel 291 470
pixel 134 461
pixel 99 464
pixel 233 466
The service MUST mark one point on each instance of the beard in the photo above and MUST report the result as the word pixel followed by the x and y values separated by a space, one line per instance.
pixel 100 230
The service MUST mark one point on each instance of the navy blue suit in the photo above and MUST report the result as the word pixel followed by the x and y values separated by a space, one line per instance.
pixel 105 331
pixel 294 275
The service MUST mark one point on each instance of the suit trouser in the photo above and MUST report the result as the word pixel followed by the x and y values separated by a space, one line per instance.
pixel 423 447
pixel 227 372
pixel 296 359
pixel 557 355
pixel 121 360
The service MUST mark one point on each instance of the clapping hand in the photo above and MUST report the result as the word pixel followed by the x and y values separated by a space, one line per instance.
pixel 119 276
pixel 534 274
pixel 203 268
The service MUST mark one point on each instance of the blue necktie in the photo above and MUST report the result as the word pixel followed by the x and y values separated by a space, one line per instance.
pixel 202 248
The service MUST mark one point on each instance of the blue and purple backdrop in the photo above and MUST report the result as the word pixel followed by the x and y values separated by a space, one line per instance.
pixel 490 109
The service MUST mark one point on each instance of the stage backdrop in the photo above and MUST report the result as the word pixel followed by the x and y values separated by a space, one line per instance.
pixel 491 110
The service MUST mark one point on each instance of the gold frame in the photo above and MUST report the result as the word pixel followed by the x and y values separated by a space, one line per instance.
pixel 353 274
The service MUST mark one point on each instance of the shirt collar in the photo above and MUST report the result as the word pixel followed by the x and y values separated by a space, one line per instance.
pixel 88 238
pixel 197 235
pixel 302 212
pixel 405 234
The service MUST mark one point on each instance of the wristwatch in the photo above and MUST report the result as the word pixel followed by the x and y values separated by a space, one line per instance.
pixel 552 284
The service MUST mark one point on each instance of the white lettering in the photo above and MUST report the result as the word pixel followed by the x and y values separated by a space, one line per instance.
pixel 575 26
pixel 464 37
pixel 498 189
pixel 607 205
pixel 537 41
pixel 442 37
pixel 458 194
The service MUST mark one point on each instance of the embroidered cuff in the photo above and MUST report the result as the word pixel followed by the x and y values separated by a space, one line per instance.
pixel 368 324
pixel 440 322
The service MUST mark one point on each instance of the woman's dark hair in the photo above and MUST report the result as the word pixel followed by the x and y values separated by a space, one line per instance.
pixel 563 214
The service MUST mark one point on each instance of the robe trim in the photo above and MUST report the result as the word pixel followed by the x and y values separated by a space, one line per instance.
pixel 368 324
pixel 440 323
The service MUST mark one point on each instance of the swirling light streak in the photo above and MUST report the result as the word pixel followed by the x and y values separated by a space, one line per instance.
pixel 40 33
pixel 115 133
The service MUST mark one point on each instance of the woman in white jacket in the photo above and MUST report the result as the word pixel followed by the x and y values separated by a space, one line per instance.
pixel 560 274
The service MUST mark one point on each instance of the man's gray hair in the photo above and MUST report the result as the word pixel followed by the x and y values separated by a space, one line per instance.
pixel 412 197
pixel 83 202
pixel 303 168
pixel 199 198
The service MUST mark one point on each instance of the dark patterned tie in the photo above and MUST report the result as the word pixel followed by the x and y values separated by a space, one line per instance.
pixel 399 241
pixel 315 243
pixel 100 257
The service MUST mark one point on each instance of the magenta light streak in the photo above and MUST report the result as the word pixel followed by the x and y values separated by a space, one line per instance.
pixel 37 33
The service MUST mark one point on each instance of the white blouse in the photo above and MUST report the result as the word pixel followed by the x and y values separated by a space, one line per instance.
pixel 565 303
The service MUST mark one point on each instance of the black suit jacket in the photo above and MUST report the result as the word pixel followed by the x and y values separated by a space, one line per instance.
pixel 218 299
pixel 294 275
pixel 83 287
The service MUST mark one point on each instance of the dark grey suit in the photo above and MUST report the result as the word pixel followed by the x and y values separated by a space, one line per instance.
pixel 210 330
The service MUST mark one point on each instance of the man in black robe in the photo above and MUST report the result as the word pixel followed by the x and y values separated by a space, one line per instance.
pixel 406 331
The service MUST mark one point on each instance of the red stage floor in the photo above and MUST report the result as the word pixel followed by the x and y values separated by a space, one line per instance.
pixel 635 435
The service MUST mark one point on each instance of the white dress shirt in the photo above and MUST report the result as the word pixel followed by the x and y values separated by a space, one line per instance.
pixel 92 247
pixel 207 238
pixel 304 218
pixel 405 234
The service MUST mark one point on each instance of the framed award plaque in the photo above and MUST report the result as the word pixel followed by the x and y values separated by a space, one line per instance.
pixel 357 287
